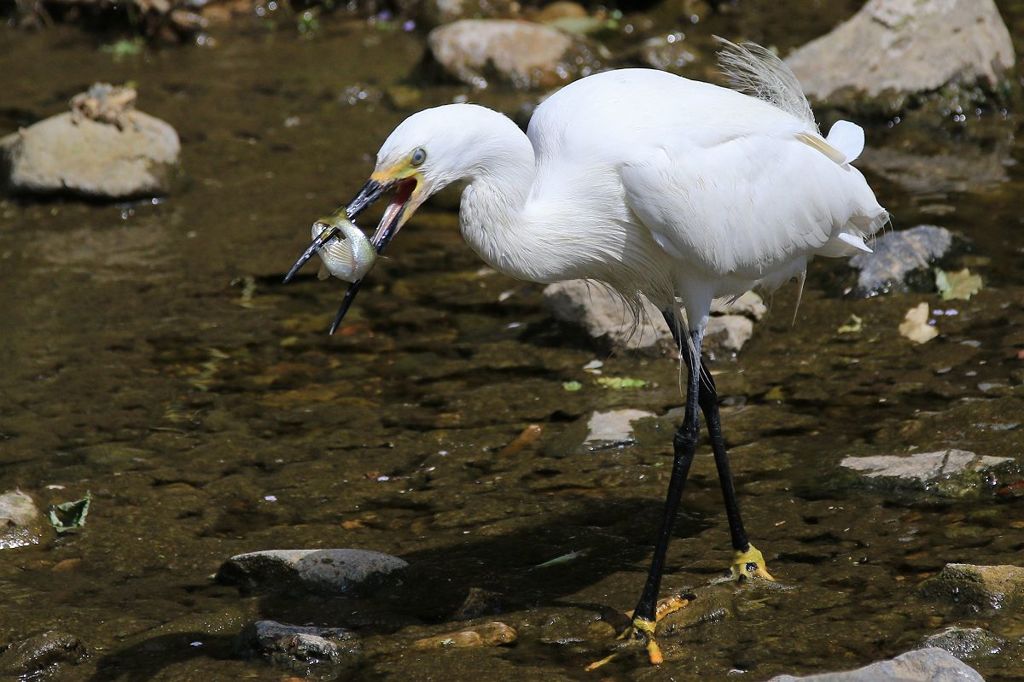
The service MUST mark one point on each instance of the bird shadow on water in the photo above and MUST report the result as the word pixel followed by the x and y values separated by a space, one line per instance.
pixel 514 570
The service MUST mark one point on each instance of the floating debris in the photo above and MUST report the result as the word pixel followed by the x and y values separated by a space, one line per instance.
pixel 68 516
pixel 957 285
pixel 915 325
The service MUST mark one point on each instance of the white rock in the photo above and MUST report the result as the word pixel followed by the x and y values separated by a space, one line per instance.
pixel 19 520
pixel 60 155
pixel 335 571
pixel 615 426
pixel 519 52
pixel 951 473
pixel 907 46
pixel 728 332
pixel 922 665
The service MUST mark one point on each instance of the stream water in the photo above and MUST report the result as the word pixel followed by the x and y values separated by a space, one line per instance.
pixel 151 356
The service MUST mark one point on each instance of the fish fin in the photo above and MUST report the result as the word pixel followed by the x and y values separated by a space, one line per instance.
pixel 848 138
pixel 854 241
pixel 818 143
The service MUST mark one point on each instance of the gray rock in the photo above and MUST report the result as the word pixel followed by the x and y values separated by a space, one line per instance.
pixel 896 255
pixel 521 53
pixel 922 665
pixel 614 427
pixel 966 643
pixel 20 521
pixel 329 571
pixel 111 156
pixel 907 46
pixel 297 645
pixel 42 654
pixel 948 473
pixel 605 316
pixel 964 167
pixel 977 587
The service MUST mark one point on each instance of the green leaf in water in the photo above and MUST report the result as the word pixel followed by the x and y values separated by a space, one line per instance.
pixel 620 383
pixel 854 325
pixel 572 385
pixel 124 48
pixel 69 516
pixel 957 285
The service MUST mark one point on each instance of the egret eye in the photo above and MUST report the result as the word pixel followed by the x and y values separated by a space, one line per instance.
pixel 419 156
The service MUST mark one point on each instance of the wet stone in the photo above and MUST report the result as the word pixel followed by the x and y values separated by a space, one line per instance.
pixel 922 665
pixel 977 587
pixel 607 318
pixel 44 654
pixel 897 255
pixel 329 571
pixel 484 635
pixel 947 473
pixel 614 427
pixel 102 149
pixel 20 521
pixel 301 646
pixel 966 643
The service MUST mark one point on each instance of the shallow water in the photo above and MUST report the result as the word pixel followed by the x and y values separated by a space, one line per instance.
pixel 152 357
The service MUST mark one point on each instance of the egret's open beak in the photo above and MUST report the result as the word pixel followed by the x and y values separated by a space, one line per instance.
pixel 405 200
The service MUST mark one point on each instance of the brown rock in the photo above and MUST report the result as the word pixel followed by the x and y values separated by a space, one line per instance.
pixel 488 634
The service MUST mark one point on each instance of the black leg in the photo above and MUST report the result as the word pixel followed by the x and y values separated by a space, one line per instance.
pixel 749 561
pixel 684 444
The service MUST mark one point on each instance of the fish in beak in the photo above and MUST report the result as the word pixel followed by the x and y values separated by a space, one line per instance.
pixel 404 201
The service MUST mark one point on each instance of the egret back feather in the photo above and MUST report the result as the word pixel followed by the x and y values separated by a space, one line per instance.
pixel 758 72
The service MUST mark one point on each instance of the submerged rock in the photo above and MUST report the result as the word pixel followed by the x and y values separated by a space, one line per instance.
pixel 521 53
pixel 331 571
pixel 923 665
pixel 103 148
pixel 438 12
pixel 20 521
pixel 667 53
pixel 977 587
pixel 301 646
pixel 949 473
pixel 907 46
pixel 966 643
pixel 42 655
pixel 487 634
pixel 897 255
pixel 605 316
pixel 614 427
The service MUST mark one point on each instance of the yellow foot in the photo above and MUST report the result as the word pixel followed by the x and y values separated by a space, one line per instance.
pixel 749 564
pixel 642 630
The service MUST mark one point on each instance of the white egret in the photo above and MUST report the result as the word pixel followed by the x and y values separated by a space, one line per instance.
pixel 658 186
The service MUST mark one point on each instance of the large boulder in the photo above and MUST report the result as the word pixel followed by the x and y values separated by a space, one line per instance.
pixel 102 149
pixel 907 46
pixel 520 53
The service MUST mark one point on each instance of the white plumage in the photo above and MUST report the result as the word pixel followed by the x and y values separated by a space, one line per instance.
pixel 660 187
pixel 678 190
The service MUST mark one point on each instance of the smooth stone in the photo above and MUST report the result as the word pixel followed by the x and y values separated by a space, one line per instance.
pixel 951 473
pixel 301 644
pixel 907 46
pixel 922 665
pixel 331 571
pixel 977 587
pixel 896 255
pixel 20 521
pixel 47 652
pixel 88 158
pixel 966 643
pixel 606 317
pixel 615 426
pixel 520 53
pixel 484 635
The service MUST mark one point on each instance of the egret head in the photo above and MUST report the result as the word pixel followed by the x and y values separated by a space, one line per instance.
pixel 424 154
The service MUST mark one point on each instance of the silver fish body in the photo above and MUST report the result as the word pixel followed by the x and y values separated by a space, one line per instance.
pixel 347 256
